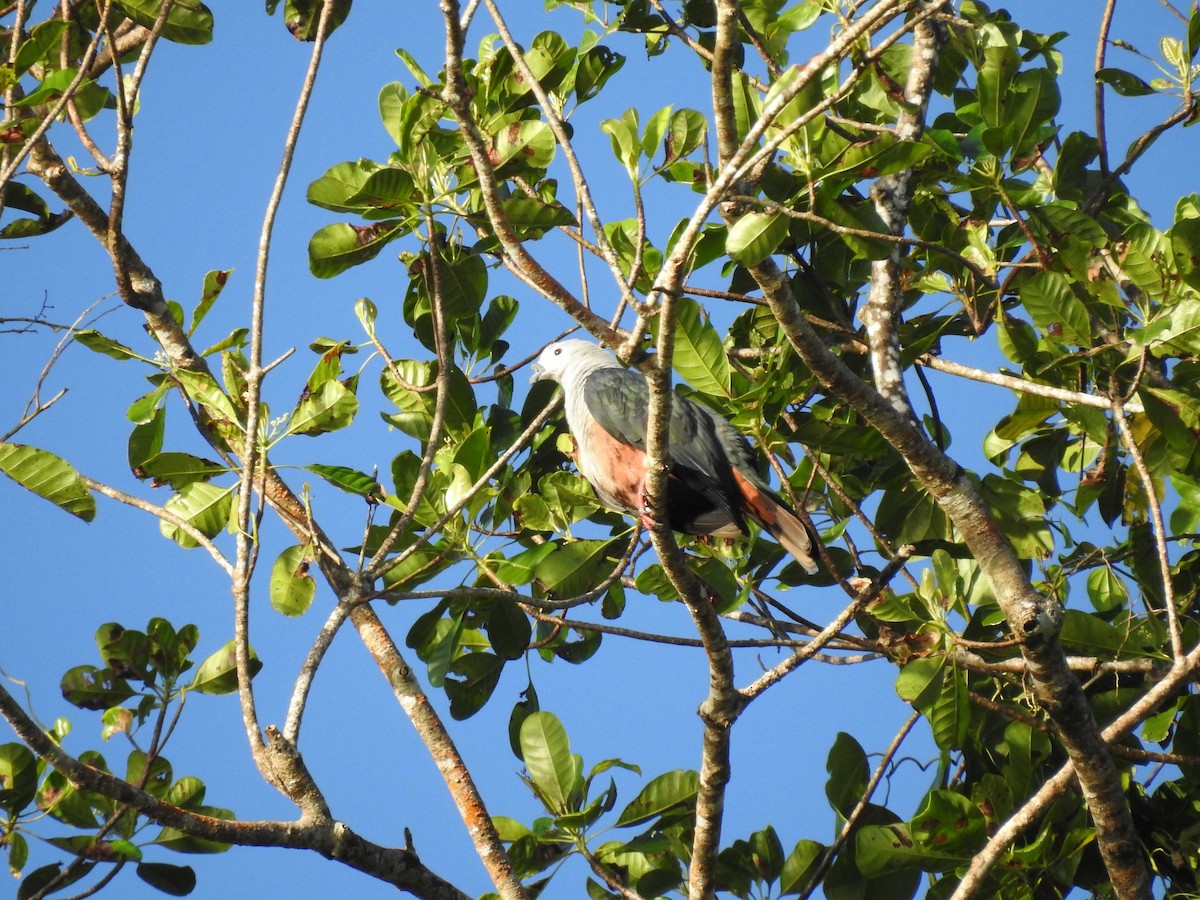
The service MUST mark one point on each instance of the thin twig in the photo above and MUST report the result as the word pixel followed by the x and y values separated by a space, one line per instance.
pixel 271 757
pixel 1160 531
pixel 865 596
pixel 860 807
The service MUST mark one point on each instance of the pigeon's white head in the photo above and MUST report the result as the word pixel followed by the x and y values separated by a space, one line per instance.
pixel 567 361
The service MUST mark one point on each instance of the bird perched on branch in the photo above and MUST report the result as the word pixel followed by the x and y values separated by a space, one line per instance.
pixel 713 485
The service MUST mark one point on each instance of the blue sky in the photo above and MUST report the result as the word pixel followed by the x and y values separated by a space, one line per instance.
pixel 207 145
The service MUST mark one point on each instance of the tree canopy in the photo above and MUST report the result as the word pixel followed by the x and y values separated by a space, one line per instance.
pixel 844 226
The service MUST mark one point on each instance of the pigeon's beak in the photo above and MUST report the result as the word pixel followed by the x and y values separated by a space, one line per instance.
pixel 538 373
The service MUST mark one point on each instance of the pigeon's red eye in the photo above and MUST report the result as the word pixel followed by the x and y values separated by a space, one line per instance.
pixel 557 351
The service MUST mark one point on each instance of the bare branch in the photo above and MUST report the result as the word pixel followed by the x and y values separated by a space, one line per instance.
pixel 1160 530
pixel 276 757
pixel 860 807
pixel 456 95
pixel 865 596
pixel 440 745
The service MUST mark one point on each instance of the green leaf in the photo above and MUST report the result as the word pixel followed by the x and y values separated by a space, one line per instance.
pixel 755 236
pixel 218 673
pixel 56 83
pixel 950 714
pixel 1056 309
pixel 176 840
pixel 303 17
pixel 17 196
pixel 154 774
pixel 848 773
pixel 798 18
pixel 656 127
pixel 1106 590
pixel 18 778
pixel 330 407
pixel 186 793
pixel 334 189
pixel 520 569
pixel 62 801
pixel 881 850
pixel 180 469
pixel 206 507
pixel 464 282
pixel 38 879
pixel 188 22
pixel 576 567
pixel 699 355
pixel 235 340
pixel 1089 635
pixel 1185 245
pixel 214 283
pixel 1032 104
pixel 146 439
pixel 50 477
pixel 18 853
pixel 352 481
pixel 292 589
pixel 203 389
pixel 667 792
pixel 920 680
pixel 340 246
pixel 798 867
pixel 42 45
pixel 623 133
pixel 1124 83
pixel 554 771
pixel 880 156
pixel 178 881
pixel 686 132
pixel 387 191
pixel 471 680
pixel 91 688
pixel 508 629
pixel 528 143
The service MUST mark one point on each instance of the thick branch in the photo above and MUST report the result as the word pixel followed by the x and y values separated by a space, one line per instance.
pixel 1182 672
pixel 1034 618
pixel 723 704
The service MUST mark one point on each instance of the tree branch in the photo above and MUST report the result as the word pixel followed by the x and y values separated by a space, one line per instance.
pixel 437 740
pixel 1033 617
pixel 457 97
pixel 275 758
pixel 892 195
pixel 333 840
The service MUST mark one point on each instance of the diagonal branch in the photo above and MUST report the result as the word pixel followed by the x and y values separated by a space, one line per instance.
pixel 1036 619
pixel 830 631
pixel 433 733
pixel 1160 530
pixel 265 754
pixel 1181 673
pixel 723 704
pixel 563 136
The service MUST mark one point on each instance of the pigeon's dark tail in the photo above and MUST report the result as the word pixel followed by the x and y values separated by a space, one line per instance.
pixel 778 520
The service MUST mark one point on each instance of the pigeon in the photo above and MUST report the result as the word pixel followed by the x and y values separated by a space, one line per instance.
pixel 713 485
